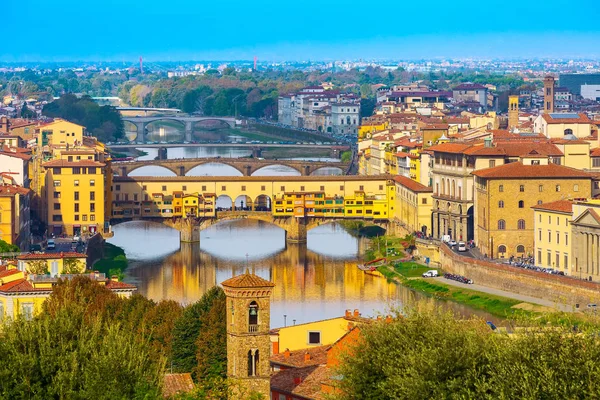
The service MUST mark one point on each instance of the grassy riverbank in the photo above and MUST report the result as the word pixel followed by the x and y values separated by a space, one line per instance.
pixel 114 261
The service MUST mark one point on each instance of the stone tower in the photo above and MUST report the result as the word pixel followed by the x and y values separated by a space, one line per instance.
pixel 248 343
pixel 549 94
pixel 513 112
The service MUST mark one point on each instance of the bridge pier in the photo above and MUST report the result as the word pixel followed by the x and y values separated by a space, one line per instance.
pixel 189 127
pixel 306 170
pixel 296 231
pixel 141 132
pixel 189 232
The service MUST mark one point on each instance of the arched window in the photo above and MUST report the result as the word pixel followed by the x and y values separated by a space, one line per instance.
pixel 253 314
pixel 521 204
pixel 568 132
pixel 521 224
pixel 539 202
pixel 256 363
pixel 501 204
pixel 250 364
pixel 501 225
pixel 520 249
pixel 349 120
pixel 443 186
pixel 501 249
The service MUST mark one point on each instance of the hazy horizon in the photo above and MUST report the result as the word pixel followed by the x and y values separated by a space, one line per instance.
pixel 185 30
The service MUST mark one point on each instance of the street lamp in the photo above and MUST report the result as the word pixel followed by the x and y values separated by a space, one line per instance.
pixel 235 103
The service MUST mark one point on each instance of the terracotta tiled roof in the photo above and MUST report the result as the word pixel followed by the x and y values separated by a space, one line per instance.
pixel 50 256
pixel 469 86
pixel 247 280
pixel 582 119
pixel 563 206
pixel 412 185
pixel 116 285
pixel 595 152
pixel 450 147
pixel 518 170
pixel 305 382
pixel 80 163
pixel 177 383
pixel 11 190
pixel 8 272
pixel 435 126
pixel 21 285
pixel 16 154
pixel 298 358
pixel 401 154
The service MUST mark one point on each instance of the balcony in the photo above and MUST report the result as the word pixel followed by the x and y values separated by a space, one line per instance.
pixel 252 328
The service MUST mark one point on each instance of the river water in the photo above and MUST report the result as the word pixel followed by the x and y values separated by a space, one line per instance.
pixel 313 281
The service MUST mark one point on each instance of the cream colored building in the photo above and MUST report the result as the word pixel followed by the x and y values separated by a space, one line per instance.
pixel 552 235
pixel 559 125
pixel 412 207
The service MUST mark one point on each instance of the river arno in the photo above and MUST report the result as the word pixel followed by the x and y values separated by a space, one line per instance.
pixel 314 281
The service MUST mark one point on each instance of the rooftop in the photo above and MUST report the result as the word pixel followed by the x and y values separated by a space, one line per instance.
pixel 247 280
pixel 412 185
pixel 562 206
pixel 80 163
pixel 518 170
pixel 302 358
pixel 567 118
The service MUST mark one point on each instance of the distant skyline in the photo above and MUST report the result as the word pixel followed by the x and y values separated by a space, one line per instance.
pixel 273 30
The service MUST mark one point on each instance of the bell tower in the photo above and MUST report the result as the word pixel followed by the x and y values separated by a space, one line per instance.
pixel 513 112
pixel 248 312
pixel 548 94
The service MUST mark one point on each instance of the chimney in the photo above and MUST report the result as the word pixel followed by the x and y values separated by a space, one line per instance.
pixel 388 318
pixel 379 318
pixel 286 354
pixel 356 313
pixel 114 278
pixel 297 380
pixel 96 275
pixel 306 357
pixel 348 313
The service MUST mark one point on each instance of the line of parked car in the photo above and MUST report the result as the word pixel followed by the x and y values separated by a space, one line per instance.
pixel 529 264
pixel 458 278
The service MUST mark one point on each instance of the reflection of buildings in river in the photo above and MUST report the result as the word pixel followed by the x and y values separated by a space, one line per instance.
pixel 299 275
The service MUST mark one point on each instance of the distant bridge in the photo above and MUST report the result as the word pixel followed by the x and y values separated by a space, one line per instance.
pixel 186 122
pixel 246 166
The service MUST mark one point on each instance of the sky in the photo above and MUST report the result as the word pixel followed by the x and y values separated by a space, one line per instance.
pixel 272 30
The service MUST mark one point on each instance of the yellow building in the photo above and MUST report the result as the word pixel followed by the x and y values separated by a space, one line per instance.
pixel 22 294
pixel 576 153
pixel 552 235
pixel 488 120
pixel 52 263
pixel 504 197
pixel 560 125
pixel 14 215
pixel 413 204
pixel 60 133
pixel 314 334
pixel 368 128
pixel 75 196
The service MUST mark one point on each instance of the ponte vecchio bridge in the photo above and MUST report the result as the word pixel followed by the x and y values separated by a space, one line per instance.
pixel 294 203
pixel 246 166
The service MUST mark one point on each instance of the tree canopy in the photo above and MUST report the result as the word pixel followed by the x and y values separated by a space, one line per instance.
pixel 103 122
pixel 435 355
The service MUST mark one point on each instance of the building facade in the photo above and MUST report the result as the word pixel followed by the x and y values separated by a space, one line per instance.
pixel 412 207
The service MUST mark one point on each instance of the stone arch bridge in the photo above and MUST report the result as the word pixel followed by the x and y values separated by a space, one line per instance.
pixel 296 229
pixel 186 122
pixel 246 166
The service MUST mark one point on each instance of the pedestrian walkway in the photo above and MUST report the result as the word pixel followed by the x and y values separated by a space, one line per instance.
pixel 510 295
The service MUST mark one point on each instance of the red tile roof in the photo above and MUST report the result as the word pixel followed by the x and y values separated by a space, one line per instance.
pixel 11 190
pixel 116 285
pixel 582 119
pixel 297 359
pixel 21 285
pixel 304 382
pixel 247 280
pixel 80 163
pixel 469 86
pixel 412 185
pixel 563 206
pixel 177 383
pixel 595 152
pixel 518 170
pixel 50 256
pixel 8 272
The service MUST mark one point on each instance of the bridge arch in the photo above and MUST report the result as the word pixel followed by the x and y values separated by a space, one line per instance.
pixel 222 168
pixel 328 171
pixel 211 124
pixel 263 202
pixel 131 130
pixel 152 170
pixel 244 203
pixel 276 169
pixel 224 203
pixel 173 129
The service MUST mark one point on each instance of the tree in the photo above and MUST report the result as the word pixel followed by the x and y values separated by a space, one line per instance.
pixel 26 112
pixel 71 266
pixel 8 248
pixel 211 344
pixel 193 323
pixel 435 355
pixel 38 267
pixel 194 100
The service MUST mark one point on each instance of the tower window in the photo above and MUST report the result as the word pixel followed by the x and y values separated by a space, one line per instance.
pixel 253 315
pixel 314 337
pixel 253 358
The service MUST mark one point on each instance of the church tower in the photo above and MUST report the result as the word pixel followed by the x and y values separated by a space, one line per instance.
pixel 548 94
pixel 513 112
pixel 248 343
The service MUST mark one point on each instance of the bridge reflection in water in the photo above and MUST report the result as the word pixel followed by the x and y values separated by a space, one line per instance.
pixel 314 281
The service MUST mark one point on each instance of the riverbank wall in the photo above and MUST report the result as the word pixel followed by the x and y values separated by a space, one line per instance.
pixel 559 289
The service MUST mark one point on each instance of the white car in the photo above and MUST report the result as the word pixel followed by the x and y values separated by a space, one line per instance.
pixel 462 246
pixel 51 244
pixel 452 243
pixel 76 238
pixel 430 273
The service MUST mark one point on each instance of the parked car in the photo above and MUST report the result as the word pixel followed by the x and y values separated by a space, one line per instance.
pixel 76 238
pixel 452 243
pixel 35 248
pixel 430 274
pixel 462 246
pixel 51 244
